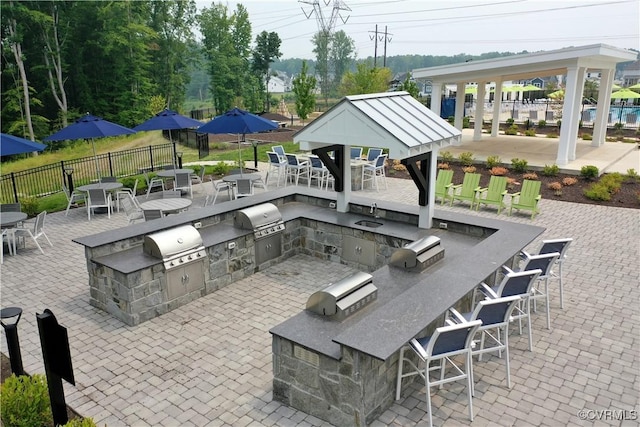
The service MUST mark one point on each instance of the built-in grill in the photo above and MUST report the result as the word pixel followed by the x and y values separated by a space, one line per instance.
pixel 418 254
pixel 266 222
pixel 345 297
pixel 183 256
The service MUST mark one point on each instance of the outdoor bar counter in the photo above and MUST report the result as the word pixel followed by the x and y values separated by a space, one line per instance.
pixel 339 371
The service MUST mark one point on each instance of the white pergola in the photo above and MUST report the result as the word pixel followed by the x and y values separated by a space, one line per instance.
pixel 572 62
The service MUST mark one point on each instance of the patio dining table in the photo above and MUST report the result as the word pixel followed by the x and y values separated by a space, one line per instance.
pixel 167 206
pixel 10 219
pixel 170 173
pixel 107 186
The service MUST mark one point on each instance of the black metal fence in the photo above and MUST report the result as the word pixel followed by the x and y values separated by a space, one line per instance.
pixel 48 179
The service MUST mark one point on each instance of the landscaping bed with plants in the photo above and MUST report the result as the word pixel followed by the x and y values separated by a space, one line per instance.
pixel 613 189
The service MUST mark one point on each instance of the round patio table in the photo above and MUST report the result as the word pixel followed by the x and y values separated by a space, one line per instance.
pixel 9 219
pixel 166 205
pixel 107 186
pixel 236 176
pixel 170 173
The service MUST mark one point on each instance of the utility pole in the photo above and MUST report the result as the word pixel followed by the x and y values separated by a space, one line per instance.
pixel 382 36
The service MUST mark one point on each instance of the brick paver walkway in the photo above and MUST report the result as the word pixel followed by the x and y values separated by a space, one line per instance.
pixel 209 362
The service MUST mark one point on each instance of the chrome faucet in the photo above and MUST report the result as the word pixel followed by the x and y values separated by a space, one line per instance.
pixel 374 210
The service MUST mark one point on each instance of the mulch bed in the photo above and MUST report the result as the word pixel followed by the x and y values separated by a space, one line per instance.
pixel 627 197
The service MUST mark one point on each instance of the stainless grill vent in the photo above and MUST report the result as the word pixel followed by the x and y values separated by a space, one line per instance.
pixel 345 297
pixel 418 254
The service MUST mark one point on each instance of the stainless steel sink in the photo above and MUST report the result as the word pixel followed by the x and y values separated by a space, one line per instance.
pixel 370 224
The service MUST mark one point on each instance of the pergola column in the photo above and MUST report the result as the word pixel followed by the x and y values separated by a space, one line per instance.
pixel 497 106
pixel 436 97
pixel 457 120
pixel 570 115
pixel 477 126
pixel 343 197
pixel 425 213
pixel 602 108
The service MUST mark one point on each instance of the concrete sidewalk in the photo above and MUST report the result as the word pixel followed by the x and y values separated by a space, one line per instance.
pixel 209 363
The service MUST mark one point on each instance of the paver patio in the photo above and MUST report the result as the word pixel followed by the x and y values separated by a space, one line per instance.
pixel 209 362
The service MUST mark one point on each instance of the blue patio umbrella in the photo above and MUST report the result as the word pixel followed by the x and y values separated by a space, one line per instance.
pixel 90 127
pixel 168 120
pixel 239 122
pixel 10 144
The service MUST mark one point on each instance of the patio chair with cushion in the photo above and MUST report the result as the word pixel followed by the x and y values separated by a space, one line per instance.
pixel 515 284
pixel 443 183
pixel 493 194
pixel 466 191
pixel 446 343
pixel 73 197
pixel 155 182
pixel 527 198
pixel 494 332
pixel 35 234
pixel 555 245
pixel 98 198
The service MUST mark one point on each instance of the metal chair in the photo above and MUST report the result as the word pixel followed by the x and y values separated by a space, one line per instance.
pixel 220 186
pixel 495 315
pixel 126 192
pixel 244 188
pixel 277 166
pixel 198 178
pixel 373 153
pixel 296 168
pixel 279 150
pixel 372 172
pixel 150 214
pixel 10 207
pixel 515 284
pixel 8 235
pixel 319 172
pixel 183 182
pixel 108 179
pixel 98 199
pixel 74 197
pixel 171 194
pixel 38 231
pixel 561 246
pixel 356 153
pixel 152 183
pixel 445 343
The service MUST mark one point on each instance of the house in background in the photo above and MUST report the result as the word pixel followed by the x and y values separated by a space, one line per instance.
pixel 280 83
pixel 631 74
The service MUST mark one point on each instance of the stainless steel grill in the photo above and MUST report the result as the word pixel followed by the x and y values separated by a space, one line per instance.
pixel 418 254
pixel 345 297
pixel 266 222
pixel 176 246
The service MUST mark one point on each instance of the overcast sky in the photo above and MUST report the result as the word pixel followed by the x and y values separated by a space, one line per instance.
pixel 429 27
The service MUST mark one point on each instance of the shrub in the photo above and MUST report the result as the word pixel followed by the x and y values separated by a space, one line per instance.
pixel 469 169
pixel 586 136
pixel 465 122
pixel 542 123
pixel 397 166
pixel 24 401
pixel 446 156
pixel 450 119
pixel 466 158
pixel 550 170
pixel 512 130
pixel 443 166
pixel 221 168
pixel 569 181
pixel 530 132
pixel 556 187
pixel 632 174
pixel 552 135
pixel 613 181
pixel 493 161
pixel 589 172
pixel 512 182
pixel 531 176
pixel 510 121
pixel 498 171
pixel 559 123
pixel 519 165
pixel 80 422
pixel 29 205
pixel 618 126
pixel 528 124
pixel 597 192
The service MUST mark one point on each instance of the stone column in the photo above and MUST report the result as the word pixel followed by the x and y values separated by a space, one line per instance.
pixel 602 108
pixel 497 105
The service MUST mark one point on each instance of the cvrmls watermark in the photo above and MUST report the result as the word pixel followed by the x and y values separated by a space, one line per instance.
pixel 608 414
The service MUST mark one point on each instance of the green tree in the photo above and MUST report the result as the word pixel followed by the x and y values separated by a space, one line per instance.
pixel 366 79
pixel 266 51
pixel 409 85
pixel 342 49
pixel 321 41
pixel 304 86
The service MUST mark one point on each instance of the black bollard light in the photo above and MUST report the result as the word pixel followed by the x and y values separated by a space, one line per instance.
pixel 179 154
pixel 69 172
pixel 255 153
pixel 11 331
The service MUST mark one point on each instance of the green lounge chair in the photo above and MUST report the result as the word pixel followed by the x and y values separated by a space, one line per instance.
pixel 493 194
pixel 467 190
pixel 443 182
pixel 527 198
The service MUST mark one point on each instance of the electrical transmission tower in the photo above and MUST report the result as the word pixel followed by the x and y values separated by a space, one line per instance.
pixel 326 24
pixel 383 36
